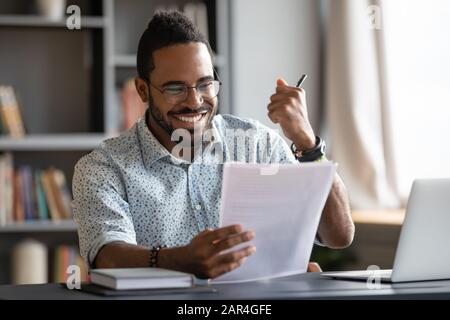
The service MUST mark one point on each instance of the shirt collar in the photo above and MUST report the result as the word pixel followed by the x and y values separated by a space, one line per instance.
pixel 216 133
pixel 152 150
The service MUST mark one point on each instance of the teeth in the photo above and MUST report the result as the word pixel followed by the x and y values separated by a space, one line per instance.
pixel 190 119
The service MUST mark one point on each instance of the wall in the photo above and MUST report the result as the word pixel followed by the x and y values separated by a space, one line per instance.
pixel 271 39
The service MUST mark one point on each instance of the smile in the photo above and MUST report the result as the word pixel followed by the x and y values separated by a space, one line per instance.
pixel 190 117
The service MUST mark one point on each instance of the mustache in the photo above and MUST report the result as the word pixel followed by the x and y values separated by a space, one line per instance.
pixel 190 111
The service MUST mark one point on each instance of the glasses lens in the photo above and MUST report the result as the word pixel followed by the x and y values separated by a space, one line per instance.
pixel 177 94
pixel 209 90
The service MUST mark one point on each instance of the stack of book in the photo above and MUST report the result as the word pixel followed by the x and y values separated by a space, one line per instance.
pixel 144 278
pixel 10 117
pixel 27 194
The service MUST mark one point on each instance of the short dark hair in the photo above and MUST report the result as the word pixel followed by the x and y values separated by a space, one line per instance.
pixel 165 29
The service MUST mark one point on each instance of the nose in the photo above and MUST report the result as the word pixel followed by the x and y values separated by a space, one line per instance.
pixel 193 99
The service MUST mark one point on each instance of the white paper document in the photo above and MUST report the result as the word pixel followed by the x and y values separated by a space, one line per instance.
pixel 283 206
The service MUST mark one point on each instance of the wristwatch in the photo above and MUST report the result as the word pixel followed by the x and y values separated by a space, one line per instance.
pixel 310 155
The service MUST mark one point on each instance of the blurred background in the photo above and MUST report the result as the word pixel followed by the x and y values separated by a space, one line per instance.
pixel 378 91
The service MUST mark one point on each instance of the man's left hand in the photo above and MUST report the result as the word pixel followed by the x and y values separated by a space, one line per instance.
pixel 288 108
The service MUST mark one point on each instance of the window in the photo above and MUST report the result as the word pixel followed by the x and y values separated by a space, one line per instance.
pixel 418 65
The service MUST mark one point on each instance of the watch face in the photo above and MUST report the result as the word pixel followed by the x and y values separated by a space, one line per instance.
pixel 322 148
pixel 317 153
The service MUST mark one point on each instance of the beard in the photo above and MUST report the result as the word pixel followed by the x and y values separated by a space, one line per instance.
pixel 168 127
pixel 158 117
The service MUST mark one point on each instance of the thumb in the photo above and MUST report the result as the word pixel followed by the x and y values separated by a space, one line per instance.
pixel 281 82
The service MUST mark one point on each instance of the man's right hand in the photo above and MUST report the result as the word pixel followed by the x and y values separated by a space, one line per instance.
pixel 204 256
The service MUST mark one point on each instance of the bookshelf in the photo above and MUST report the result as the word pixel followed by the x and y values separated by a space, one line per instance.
pixel 68 83
pixel 55 142
pixel 16 20
pixel 39 226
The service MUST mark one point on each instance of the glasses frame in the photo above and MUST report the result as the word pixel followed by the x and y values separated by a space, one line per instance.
pixel 216 79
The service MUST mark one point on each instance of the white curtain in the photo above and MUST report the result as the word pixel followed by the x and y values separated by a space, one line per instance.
pixel 387 83
pixel 357 104
pixel 417 48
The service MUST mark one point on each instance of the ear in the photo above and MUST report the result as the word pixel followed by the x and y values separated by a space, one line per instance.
pixel 141 88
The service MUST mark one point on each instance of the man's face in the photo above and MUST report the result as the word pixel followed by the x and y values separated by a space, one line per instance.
pixel 183 64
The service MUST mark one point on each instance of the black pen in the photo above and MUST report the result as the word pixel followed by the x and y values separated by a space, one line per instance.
pixel 301 80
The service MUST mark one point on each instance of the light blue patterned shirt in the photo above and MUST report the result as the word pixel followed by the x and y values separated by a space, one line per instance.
pixel 132 189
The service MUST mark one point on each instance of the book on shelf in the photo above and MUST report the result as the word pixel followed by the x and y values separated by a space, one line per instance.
pixel 11 122
pixel 56 192
pixel 42 207
pixel 28 193
pixel 6 188
pixel 31 195
pixel 64 196
pixel 18 211
pixel 197 12
pixel 29 262
pixel 143 278
pixel 63 257
pixel 34 262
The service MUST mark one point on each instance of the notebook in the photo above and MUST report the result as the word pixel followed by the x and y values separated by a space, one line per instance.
pixel 102 291
pixel 143 278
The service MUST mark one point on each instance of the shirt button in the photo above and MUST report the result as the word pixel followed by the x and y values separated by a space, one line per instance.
pixel 198 207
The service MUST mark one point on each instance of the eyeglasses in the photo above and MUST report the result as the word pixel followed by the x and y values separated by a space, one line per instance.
pixel 177 93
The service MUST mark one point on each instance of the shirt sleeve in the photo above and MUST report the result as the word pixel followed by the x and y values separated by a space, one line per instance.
pixel 100 207
pixel 281 152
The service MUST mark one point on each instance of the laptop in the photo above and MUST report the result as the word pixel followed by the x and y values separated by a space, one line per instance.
pixel 423 251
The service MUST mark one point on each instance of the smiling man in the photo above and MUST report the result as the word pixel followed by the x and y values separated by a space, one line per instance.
pixel 138 203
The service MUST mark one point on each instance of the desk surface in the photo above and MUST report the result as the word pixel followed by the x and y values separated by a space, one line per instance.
pixel 305 286
pixel 390 217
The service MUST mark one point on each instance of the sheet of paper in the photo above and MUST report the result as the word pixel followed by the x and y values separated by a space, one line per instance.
pixel 282 205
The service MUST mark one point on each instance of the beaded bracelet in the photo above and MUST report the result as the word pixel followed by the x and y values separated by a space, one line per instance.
pixel 153 261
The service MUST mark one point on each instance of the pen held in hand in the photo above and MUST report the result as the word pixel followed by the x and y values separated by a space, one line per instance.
pixel 301 80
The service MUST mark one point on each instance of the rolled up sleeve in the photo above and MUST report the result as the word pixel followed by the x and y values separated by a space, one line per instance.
pixel 100 206
pixel 281 152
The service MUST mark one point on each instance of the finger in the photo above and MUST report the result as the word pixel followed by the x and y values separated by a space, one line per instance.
pixel 205 231
pixel 272 117
pixel 289 89
pixel 271 107
pixel 287 100
pixel 281 82
pixel 233 256
pixel 222 269
pixel 281 112
pixel 277 97
pixel 280 109
pixel 234 240
pixel 314 267
pixel 283 99
pixel 221 233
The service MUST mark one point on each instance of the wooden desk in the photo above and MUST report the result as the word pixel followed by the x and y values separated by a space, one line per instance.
pixel 303 286
pixel 376 237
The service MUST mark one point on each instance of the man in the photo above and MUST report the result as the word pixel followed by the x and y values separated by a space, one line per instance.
pixel 138 203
